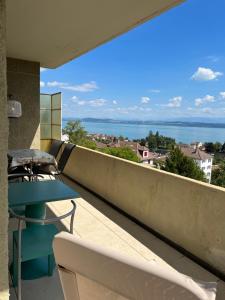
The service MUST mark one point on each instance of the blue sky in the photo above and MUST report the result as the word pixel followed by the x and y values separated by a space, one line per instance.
pixel 172 67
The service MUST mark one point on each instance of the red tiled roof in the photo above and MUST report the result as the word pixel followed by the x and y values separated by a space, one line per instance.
pixel 195 153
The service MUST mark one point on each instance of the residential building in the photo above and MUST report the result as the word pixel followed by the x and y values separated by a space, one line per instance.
pixel 202 159
pixel 142 152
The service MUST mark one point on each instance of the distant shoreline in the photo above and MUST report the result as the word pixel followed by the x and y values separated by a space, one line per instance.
pixel 165 123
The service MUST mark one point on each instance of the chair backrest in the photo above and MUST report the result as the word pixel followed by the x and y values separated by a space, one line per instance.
pixel 65 156
pixel 9 161
pixel 88 271
pixel 55 147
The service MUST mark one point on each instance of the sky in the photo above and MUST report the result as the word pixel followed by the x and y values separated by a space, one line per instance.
pixel 171 67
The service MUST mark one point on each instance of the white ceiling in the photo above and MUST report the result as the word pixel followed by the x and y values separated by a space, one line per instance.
pixel 54 32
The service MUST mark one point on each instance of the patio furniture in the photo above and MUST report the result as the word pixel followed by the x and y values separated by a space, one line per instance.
pixel 20 210
pixel 55 147
pixel 54 151
pixel 89 271
pixel 34 195
pixel 16 169
pixel 30 157
pixel 35 242
pixel 61 164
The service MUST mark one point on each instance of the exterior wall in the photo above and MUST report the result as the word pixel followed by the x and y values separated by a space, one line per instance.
pixel 23 80
pixel 45 145
pixel 206 166
pixel 4 293
pixel 187 212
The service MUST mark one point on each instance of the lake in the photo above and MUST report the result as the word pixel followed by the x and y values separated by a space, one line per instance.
pixel 134 131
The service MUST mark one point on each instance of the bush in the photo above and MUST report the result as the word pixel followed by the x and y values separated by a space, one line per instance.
pixel 124 152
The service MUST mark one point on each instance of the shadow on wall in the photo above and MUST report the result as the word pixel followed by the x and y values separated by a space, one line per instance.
pixel 24 85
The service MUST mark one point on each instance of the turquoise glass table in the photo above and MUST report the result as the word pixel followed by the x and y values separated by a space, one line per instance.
pixel 34 196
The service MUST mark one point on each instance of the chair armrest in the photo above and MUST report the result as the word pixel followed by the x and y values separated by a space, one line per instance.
pixel 46 221
pixel 18 175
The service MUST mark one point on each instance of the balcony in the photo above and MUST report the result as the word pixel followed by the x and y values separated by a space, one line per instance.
pixel 141 212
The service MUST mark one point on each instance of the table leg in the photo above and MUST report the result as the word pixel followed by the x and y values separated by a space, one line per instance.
pixel 43 266
pixel 37 211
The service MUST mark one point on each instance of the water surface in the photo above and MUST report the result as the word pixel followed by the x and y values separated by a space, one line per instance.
pixel 134 131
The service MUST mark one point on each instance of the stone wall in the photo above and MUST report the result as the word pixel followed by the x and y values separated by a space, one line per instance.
pixel 23 79
pixel 4 294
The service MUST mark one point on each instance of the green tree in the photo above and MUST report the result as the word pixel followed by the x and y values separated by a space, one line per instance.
pixel 180 164
pixel 152 141
pixel 88 144
pixel 142 142
pixel 75 131
pixel 157 141
pixel 209 147
pixel 218 175
pixel 123 152
pixel 217 146
pixel 213 147
pixel 223 148
pixel 121 138
pixel 78 135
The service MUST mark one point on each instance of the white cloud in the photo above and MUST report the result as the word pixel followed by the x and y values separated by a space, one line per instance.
pixel 42 69
pixel 132 109
pixel 122 110
pixel 42 83
pixel 207 110
pixel 145 100
pixel 222 95
pixel 175 102
pixel 56 83
pixel 198 101
pixel 213 58
pixel 154 91
pixel 207 98
pixel 205 74
pixel 81 102
pixel 145 109
pixel 84 87
pixel 74 98
pixel 97 102
pixel 114 102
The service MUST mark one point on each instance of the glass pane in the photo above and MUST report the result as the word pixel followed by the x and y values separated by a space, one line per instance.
pixel 56 101
pixel 45 116
pixel 56 132
pixel 56 117
pixel 45 132
pixel 45 101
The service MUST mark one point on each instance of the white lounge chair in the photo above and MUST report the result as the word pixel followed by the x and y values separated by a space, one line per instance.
pixel 90 272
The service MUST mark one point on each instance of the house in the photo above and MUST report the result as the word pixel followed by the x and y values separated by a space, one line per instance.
pixel 202 159
pixel 142 152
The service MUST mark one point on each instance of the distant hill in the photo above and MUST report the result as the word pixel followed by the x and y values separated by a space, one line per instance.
pixel 166 123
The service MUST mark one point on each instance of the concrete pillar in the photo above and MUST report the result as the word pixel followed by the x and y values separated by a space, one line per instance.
pixel 23 80
pixel 4 292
